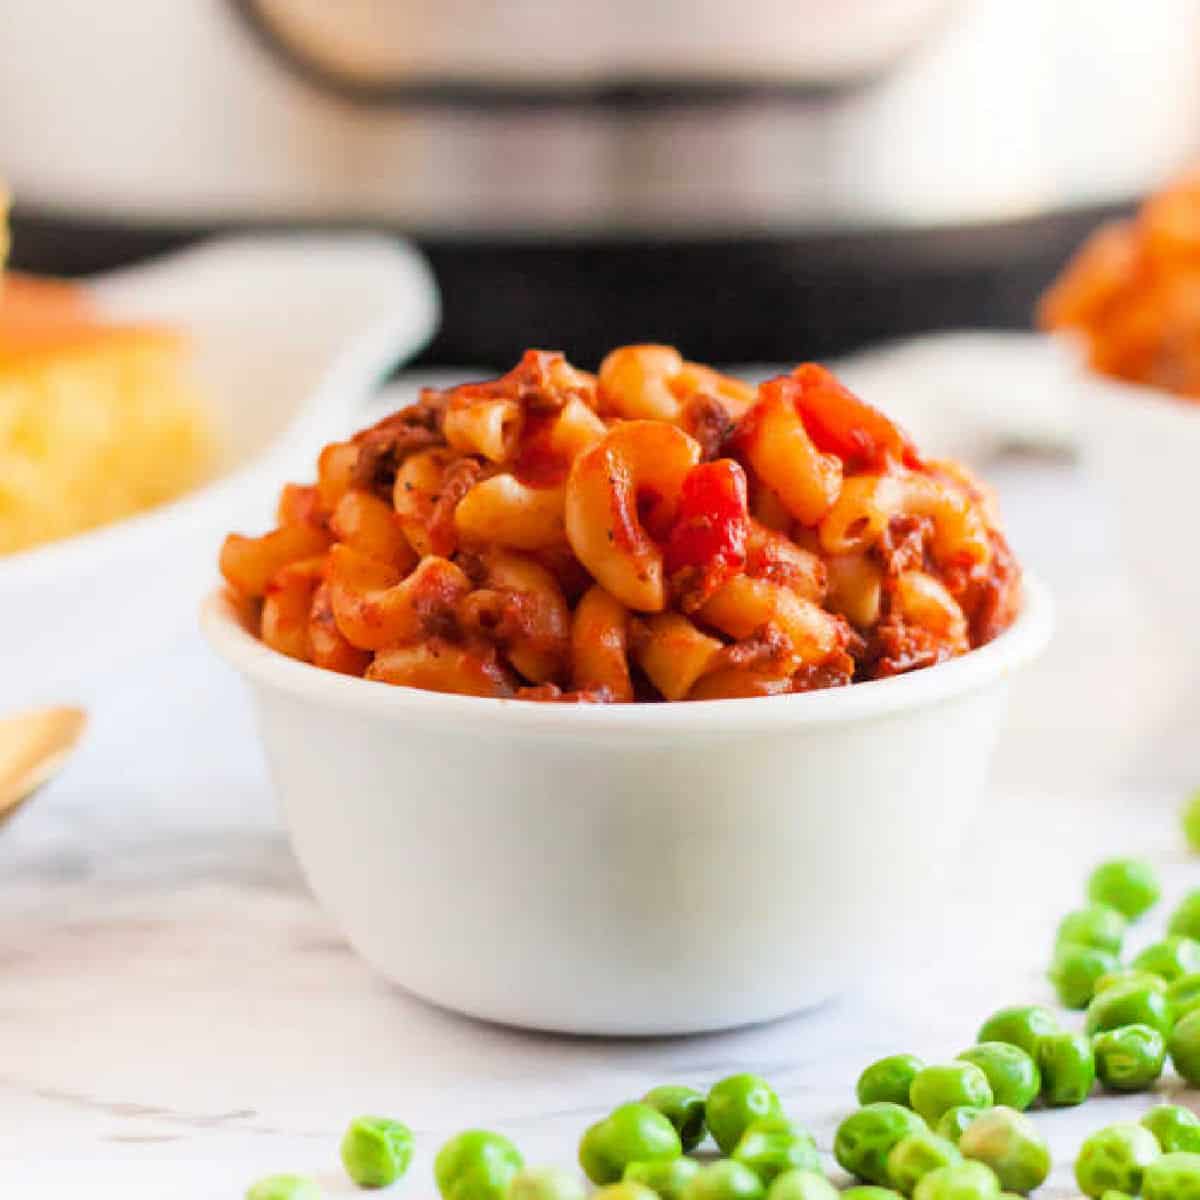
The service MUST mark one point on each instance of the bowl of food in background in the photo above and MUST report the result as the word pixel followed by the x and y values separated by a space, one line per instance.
pixel 142 411
pixel 641 704
pixel 1129 303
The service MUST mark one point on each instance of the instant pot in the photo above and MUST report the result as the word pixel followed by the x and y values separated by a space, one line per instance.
pixel 762 180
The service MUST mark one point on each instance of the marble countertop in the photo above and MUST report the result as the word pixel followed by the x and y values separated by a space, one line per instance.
pixel 177 1017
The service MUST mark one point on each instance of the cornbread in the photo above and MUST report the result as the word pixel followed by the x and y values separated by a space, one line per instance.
pixel 97 420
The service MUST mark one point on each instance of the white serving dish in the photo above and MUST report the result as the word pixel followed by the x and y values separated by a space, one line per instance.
pixel 629 869
pixel 1142 448
pixel 291 334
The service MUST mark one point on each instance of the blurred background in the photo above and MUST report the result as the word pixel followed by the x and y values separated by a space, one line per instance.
pixel 799 180
pixel 758 182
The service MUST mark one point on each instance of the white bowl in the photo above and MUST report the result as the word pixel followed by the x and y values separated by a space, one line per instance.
pixel 627 869
pixel 1143 450
pixel 291 333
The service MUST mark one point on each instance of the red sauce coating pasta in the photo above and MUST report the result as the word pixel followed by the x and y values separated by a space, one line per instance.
pixel 539 537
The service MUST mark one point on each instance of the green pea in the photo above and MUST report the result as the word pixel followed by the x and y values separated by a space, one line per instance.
pixel 1184 1046
pixel 632 1132
pixel 546 1183
pixel 936 1089
pixel 476 1165
pixel 801 1185
pixel 623 1191
pixel 1190 819
pixel 684 1108
pixel 724 1180
pixel 1131 975
pixel 376 1151
pixel 1096 925
pixel 1114 1158
pixel 666 1179
pixel 1170 958
pixel 1183 995
pixel 965 1181
pixel 913 1157
pixel 1113 1194
pixel 888 1079
pixel 1129 885
pixel 1074 971
pixel 1020 1025
pixel 954 1120
pixel 1175 1176
pixel 284 1187
pixel 870 1192
pixel 1128 1004
pixel 772 1145
pixel 865 1138
pixel 1068 1066
pixel 1008 1142
pixel 1185 918
pixel 736 1101
pixel 1011 1073
pixel 1129 1059
pixel 1175 1127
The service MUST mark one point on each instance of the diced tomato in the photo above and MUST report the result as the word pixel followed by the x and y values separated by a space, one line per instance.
pixel 539 464
pixel 709 534
pixel 840 423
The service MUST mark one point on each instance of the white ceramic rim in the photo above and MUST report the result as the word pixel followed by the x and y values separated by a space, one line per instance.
pixel 1014 648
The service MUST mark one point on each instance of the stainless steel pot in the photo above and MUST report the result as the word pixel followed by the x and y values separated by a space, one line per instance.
pixel 684 115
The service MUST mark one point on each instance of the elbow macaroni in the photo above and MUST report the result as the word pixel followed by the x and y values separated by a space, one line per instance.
pixel 634 472
pixel 551 535
pixel 491 428
pixel 654 383
pixel 780 452
pixel 503 511
pixel 674 653
pixel 868 503
pixel 600 645
pixel 521 606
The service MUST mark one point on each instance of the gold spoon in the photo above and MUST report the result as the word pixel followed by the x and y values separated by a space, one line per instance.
pixel 33 745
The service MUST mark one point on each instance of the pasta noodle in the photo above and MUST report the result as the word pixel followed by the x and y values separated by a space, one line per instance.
pixel 440 666
pixel 779 450
pixel 674 653
pixel 599 645
pixel 327 645
pixel 503 511
pixel 855 588
pixel 375 606
pixel 286 607
pixel 491 428
pixel 634 474
pixel 367 523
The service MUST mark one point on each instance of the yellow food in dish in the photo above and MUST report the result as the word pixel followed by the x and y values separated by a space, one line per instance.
pixel 97 420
